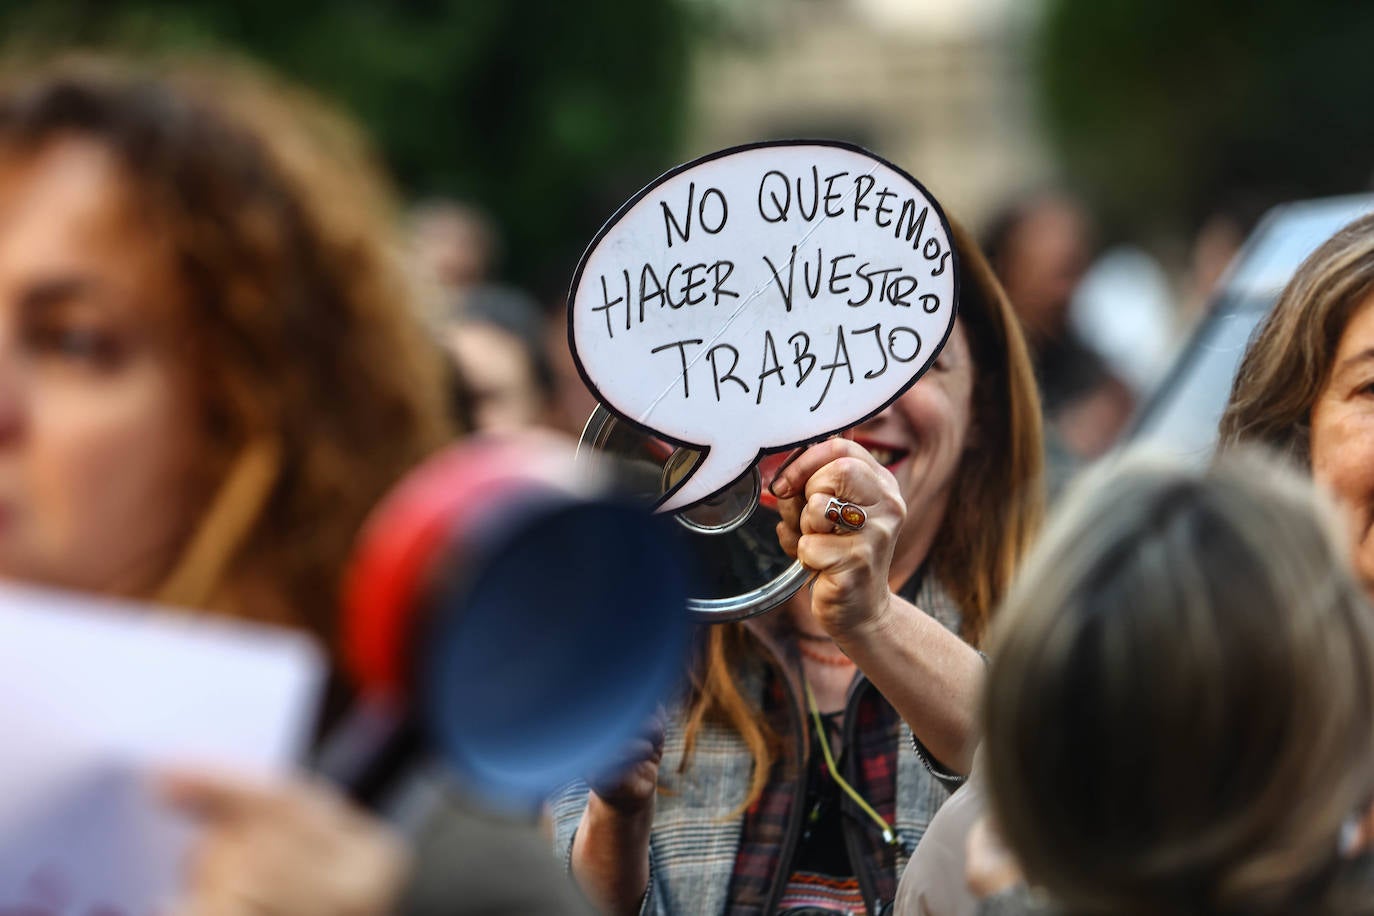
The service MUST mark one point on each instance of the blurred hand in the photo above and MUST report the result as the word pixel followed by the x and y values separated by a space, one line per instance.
pixel 851 589
pixel 633 779
pixel 1358 836
pixel 989 866
pixel 292 847
pixel 610 851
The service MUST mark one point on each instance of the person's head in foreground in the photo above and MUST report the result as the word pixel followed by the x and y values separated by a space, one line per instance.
pixel 495 335
pixel 209 372
pixel 1306 385
pixel 208 366
pixel 1180 709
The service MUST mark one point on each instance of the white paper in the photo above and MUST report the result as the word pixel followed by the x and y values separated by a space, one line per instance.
pixel 761 298
pixel 96 696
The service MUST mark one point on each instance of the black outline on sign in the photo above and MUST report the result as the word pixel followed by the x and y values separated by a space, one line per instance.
pixel 710 157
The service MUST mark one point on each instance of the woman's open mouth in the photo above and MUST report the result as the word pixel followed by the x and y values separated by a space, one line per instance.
pixel 889 456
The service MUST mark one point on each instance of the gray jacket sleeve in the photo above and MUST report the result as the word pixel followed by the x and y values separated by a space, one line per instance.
pixel 566 809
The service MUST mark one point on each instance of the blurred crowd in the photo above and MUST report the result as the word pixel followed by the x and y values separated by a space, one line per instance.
pixel 222 342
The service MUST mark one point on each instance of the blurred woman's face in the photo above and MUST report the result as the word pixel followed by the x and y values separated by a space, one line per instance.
pixel 921 437
pixel 500 376
pixel 1343 435
pixel 96 402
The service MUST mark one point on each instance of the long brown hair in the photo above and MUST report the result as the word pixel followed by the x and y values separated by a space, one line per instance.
pixel 998 489
pixel 1288 362
pixel 318 384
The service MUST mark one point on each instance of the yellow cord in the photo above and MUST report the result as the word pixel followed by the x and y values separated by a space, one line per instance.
pixel 889 836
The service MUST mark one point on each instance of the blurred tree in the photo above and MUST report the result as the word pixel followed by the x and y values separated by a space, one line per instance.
pixel 1164 108
pixel 546 113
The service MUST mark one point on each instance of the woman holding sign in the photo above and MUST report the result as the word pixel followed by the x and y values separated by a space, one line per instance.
pixel 750 816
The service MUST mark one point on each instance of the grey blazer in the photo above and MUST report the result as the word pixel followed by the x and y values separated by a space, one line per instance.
pixel 694 841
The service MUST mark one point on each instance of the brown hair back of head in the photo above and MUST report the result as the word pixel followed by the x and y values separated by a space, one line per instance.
pixel 1179 714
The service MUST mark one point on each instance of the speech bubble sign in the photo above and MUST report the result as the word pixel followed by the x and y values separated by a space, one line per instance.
pixel 760 298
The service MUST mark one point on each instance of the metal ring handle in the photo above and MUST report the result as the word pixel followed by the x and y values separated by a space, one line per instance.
pixel 752 603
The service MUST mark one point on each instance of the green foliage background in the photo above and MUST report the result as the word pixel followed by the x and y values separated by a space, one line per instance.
pixel 545 112
pixel 1162 108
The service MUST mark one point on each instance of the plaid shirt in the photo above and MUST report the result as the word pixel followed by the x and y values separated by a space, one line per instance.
pixel 696 847
pixel 873 740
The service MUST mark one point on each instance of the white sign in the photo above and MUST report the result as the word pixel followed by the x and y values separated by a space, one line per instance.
pixel 760 298
pixel 97 696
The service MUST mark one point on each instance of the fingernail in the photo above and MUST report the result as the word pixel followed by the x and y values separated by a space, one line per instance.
pixel 780 488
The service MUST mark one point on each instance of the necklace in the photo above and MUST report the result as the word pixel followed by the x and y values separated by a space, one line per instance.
pixel 842 661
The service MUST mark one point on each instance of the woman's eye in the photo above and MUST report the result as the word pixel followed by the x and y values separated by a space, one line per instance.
pixel 88 345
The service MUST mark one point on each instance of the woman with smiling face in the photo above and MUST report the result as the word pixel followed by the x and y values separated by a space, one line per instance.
pixel 736 809
pixel 1306 384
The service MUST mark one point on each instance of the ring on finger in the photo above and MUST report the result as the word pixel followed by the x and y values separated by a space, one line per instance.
pixel 845 515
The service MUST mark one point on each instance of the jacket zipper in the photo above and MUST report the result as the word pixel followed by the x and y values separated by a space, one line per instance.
pixel 852 841
pixel 795 813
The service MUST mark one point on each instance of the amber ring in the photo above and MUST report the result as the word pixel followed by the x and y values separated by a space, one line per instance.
pixel 845 515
